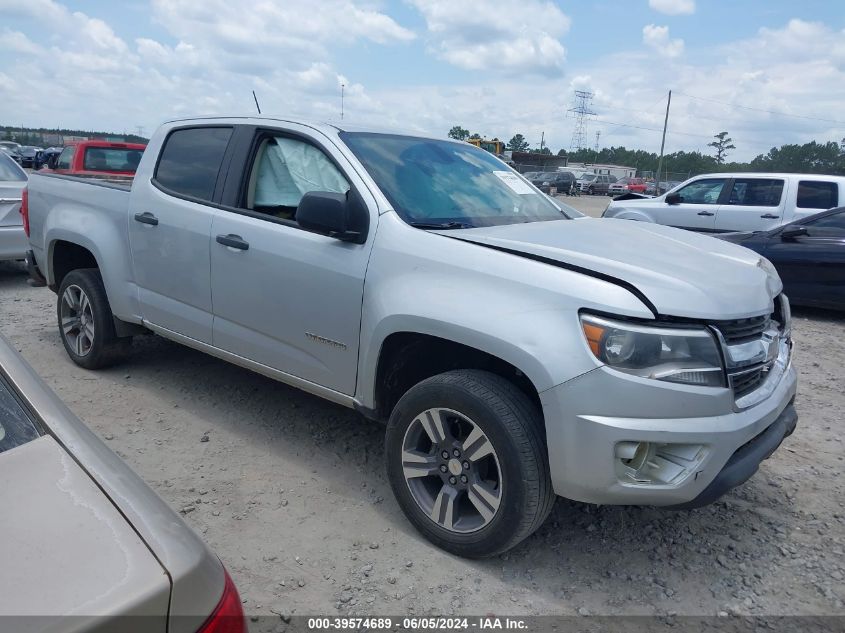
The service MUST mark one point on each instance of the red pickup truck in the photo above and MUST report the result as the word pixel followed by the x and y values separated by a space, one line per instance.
pixel 627 185
pixel 97 158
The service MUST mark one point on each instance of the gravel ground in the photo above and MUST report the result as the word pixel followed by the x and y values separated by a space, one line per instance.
pixel 290 491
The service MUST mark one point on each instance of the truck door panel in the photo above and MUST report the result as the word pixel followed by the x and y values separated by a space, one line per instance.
pixel 752 204
pixel 170 230
pixel 290 299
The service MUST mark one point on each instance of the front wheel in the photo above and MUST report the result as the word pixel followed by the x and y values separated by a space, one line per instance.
pixel 86 324
pixel 467 462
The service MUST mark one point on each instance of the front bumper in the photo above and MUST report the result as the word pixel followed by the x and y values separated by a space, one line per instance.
pixel 588 416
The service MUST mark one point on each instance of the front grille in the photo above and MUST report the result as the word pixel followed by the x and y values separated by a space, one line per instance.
pixel 747 382
pixel 742 330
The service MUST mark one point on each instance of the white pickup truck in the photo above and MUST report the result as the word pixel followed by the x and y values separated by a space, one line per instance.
pixel 514 353
pixel 720 203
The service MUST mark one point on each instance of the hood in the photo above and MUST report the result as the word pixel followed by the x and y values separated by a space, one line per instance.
pixel 680 273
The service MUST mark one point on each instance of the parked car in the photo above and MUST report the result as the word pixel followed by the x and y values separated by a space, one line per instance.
pixel 594 184
pixel 29 155
pixel 99 159
pixel 561 181
pixel 12 150
pixel 809 256
pixel 45 157
pixel 86 544
pixel 13 242
pixel 627 185
pixel 424 284
pixel 735 202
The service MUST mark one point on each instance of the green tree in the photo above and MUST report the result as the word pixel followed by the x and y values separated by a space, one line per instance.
pixel 562 152
pixel 459 133
pixel 722 144
pixel 475 135
pixel 517 143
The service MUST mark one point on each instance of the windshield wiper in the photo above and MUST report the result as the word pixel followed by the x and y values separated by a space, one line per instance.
pixel 441 225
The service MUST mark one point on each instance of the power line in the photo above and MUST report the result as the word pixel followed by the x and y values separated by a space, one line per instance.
pixel 737 105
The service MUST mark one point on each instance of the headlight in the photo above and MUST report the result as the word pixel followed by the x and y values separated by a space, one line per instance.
pixel 688 355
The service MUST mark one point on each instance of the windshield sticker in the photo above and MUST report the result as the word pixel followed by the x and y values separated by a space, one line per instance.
pixel 513 181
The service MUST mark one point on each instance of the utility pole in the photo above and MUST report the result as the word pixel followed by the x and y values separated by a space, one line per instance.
pixel 542 141
pixel 662 144
pixel 598 136
pixel 342 86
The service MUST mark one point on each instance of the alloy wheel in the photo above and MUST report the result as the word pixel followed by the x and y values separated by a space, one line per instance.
pixel 452 470
pixel 77 320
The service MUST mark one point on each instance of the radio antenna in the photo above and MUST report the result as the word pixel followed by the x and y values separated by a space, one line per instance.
pixel 257 107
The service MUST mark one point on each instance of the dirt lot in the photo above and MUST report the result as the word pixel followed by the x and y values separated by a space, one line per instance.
pixel 290 491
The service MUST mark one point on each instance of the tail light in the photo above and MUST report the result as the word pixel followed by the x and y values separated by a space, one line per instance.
pixel 25 210
pixel 228 615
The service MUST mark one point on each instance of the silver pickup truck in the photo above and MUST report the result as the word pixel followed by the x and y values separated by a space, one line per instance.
pixel 515 353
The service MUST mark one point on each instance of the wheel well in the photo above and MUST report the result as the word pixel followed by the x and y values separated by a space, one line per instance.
pixel 68 256
pixel 407 358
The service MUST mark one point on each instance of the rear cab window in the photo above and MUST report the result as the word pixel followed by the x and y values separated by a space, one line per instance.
pixel 190 161
pixel 16 425
pixel 111 159
pixel 817 194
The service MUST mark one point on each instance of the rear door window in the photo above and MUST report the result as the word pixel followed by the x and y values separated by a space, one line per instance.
pixel 190 161
pixel 16 426
pixel 756 192
pixel 817 194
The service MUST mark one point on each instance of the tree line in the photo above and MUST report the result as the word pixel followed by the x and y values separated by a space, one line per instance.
pixel 813 157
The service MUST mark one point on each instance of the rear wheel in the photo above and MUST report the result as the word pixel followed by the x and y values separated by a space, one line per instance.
pixel 467 462
pixel 86 324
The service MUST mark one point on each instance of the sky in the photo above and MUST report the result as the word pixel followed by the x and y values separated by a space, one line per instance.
pixel 768 72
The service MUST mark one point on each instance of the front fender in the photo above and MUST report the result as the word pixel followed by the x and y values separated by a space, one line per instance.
pixel 523 312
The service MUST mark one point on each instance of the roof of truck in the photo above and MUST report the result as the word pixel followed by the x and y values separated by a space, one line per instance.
pixel 323 126
pixel 765 174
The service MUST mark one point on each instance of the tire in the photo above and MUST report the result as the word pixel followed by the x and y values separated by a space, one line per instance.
pixel 486 517
pixel 86 323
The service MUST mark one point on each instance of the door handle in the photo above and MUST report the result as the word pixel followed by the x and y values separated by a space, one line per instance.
pixel 146 218
pixel 769 216
pixel 233 241
pixel 705 213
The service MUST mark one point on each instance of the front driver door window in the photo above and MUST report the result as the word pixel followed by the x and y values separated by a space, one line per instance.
pixel 697 205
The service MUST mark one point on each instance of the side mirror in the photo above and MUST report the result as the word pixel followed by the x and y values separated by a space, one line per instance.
pixel 343 216
pixel 791 232
pixel 52 161
pixel 674 198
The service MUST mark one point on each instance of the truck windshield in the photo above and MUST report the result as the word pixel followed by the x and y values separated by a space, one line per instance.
pixel 450 185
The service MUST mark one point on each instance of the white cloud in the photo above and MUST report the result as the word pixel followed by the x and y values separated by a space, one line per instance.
pixel 17 42
pixel 509 35
pixel 657 38
pixel 673 7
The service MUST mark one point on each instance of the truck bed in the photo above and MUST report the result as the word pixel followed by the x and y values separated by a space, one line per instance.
pixel 73 201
